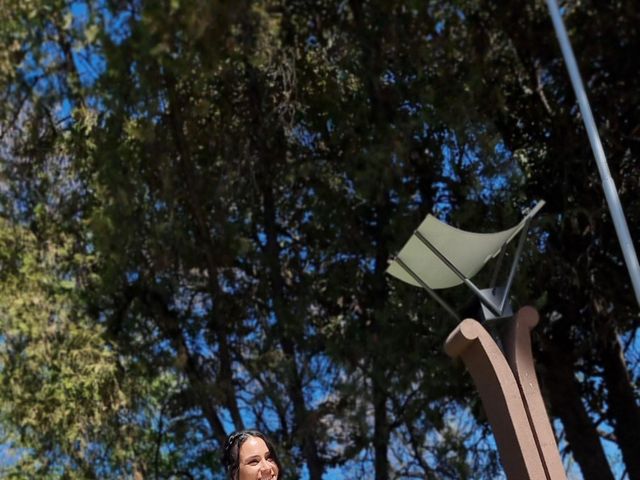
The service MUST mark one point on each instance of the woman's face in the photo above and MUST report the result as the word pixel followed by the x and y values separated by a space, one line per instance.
pixel 256 462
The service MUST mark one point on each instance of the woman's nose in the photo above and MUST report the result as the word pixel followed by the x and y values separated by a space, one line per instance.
pixel 265 469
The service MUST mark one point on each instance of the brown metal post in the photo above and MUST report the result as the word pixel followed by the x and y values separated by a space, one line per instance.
pixel 501 398
pixel 511 396
pixel 517 350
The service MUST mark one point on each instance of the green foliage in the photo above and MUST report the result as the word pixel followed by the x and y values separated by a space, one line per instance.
pixel 59 379
pixel 199 199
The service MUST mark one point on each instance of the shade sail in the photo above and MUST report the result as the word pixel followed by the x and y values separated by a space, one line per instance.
pixel 467 251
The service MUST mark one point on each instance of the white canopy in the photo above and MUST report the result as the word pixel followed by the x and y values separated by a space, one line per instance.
pixel 467 251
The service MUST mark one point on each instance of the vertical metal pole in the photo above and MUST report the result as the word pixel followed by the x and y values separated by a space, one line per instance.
pixel 608 184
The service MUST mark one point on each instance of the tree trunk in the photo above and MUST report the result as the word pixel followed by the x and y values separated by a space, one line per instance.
pixel 382 429
pixel 294 382
pixel 622 411
pixel 381 426
pixel 225 377
pixel 563 391
pixel 200 385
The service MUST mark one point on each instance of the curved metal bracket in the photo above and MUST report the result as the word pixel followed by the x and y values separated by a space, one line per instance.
pixel 510 395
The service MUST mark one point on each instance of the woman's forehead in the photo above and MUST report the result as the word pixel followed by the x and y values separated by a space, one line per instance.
pixel 253 446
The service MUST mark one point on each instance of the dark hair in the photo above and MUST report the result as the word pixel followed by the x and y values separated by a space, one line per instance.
pixel 231 454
